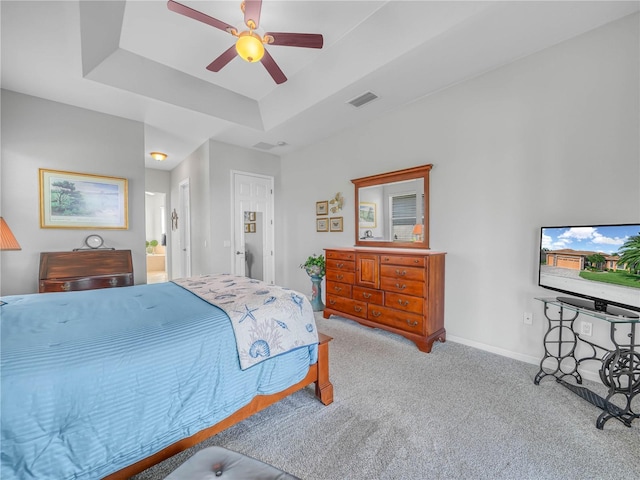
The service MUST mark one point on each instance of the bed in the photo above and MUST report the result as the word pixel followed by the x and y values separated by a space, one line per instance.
pixel 106 383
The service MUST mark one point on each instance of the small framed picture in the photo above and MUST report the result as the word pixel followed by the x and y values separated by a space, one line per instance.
pixel 252 216
pixel 252 228
pixel 335 224
pixel 322 208
pixel 246 228
pixel 322 224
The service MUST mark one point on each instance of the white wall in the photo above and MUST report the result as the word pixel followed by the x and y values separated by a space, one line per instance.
pixel 549 140
pixel 38 133
pixel 209 172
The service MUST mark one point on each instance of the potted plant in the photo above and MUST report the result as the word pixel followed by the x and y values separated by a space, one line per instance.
pixel 315 268
pixel 151 246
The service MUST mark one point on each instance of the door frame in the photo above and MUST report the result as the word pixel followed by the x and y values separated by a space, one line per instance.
pixel 184 230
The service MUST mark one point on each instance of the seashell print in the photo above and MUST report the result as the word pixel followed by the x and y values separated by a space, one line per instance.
pixel 262 292
pixel 309 327
pixel 281 324
pixel 297 299
pixel 270 300
pixel 260 348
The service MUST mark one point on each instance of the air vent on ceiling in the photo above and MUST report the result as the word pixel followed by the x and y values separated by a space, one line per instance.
pixel 363 99
pixel 263 146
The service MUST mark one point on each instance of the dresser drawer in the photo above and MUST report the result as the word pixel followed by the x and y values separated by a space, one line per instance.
pixel 347 305
pixel 403 260
pixel 337 288
pixel 368 295
pixel 342 265
pixel 408 287
pixel 86 283
pixel 338 255
pixel 340 276
pixel 402 272
pixel 409 322
pixel 406 303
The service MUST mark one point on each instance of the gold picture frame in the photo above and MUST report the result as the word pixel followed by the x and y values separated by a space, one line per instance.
pixel 82 200
pixel 322 208
pixel 367 215
pixel 335 224
pixel 322 224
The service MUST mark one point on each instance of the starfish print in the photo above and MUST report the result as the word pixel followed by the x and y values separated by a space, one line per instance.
pixel 247 313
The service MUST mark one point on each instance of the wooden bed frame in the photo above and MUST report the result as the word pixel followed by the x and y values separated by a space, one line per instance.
pixel 318 374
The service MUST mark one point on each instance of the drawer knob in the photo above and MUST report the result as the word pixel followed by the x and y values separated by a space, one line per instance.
pixel 376 314
pixel 337 289
pixel 401 287
pixel 340 277
pixel 65 286
pixel 401 273
pixel 415 260
pixel 412 323
pixel 404 304
pixel 366 295
pixel 339 265
pixel 332 301
pixel 357 308
pixel 113 282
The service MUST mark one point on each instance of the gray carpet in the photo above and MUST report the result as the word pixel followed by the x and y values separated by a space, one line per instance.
pixel 456 413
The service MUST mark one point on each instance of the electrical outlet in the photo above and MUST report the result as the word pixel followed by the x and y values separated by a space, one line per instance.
pixel 585 328
pixel 527 318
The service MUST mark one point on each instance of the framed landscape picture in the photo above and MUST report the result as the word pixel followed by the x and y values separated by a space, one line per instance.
pixel 80 200
pixel 367 214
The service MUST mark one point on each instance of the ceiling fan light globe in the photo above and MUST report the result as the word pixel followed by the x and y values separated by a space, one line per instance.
pixel 249 47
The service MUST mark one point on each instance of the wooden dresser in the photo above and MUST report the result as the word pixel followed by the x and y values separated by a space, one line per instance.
pixel 85 270
pixel 401 291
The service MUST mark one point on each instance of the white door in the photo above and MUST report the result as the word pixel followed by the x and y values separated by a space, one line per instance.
pixel 184 229
pixel 253 226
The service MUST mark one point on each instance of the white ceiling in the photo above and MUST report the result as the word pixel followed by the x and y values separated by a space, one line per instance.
pixel 139 60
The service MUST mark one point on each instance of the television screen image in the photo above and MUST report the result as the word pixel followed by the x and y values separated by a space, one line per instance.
pixel 600 264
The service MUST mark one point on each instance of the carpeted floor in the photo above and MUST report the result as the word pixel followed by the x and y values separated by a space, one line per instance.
pixel 456 413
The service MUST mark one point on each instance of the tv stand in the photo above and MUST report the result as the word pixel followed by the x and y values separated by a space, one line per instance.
pixel 619 367
pixel 598 306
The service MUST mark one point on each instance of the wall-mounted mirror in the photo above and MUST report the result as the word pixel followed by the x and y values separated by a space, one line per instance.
pixel 392 209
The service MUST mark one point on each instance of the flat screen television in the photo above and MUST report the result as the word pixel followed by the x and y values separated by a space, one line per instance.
pixel 598 265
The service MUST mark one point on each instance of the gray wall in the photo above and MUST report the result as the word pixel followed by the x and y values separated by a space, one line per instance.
pixel 39 133
pixel 551 139
pixel 209 172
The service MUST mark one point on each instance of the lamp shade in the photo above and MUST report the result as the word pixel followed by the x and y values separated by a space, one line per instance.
pixel 417 229
pixel 249 47
pixel 7 240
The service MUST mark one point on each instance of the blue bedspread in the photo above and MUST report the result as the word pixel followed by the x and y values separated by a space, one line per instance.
pixel 96 380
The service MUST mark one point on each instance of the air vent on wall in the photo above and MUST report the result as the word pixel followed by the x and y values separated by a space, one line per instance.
pixel 363 99
pixel 263 146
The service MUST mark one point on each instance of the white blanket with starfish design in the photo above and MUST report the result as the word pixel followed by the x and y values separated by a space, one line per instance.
pixel 267 319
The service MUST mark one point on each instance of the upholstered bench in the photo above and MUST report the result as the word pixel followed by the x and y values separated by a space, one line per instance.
pixel 216 462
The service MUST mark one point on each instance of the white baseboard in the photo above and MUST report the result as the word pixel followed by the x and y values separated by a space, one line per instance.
pixel 586 373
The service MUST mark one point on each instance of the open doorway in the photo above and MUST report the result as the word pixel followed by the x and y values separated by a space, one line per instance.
pixel 156 237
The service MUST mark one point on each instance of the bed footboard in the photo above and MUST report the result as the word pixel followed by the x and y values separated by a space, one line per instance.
pixel 318 374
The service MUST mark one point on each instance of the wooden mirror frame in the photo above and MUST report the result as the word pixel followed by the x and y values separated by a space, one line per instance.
pixel 391 177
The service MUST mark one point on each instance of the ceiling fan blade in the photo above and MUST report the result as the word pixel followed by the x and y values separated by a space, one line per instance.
pixel 307 40
pixel 201 17
pixel 252 13
pixel 223 59
pixel 273 68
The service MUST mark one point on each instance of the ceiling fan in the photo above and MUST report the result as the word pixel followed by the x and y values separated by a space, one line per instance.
pixel 249 45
